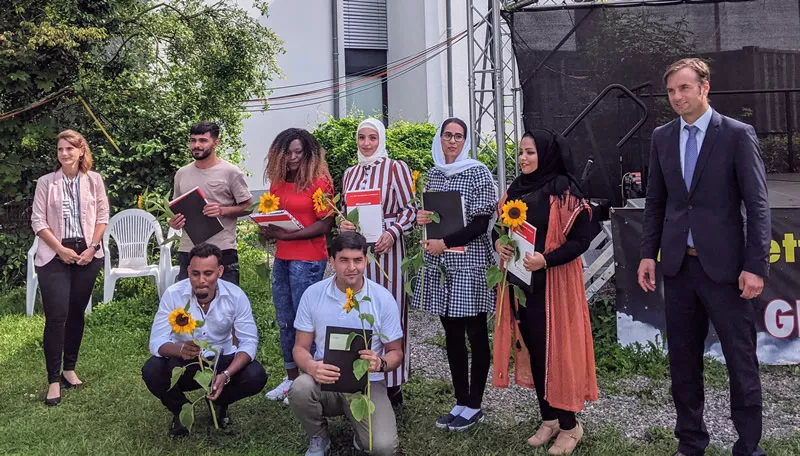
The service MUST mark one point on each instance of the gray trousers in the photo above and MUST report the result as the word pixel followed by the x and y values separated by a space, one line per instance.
pixel 312 406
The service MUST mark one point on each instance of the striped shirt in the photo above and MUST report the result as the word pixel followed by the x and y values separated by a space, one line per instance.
pixel 71 208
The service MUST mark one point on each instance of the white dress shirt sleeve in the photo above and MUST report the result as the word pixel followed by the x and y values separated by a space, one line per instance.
pixel 161 332
pixel 245 326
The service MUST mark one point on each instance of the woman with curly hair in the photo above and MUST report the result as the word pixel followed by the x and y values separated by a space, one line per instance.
pixel 296 169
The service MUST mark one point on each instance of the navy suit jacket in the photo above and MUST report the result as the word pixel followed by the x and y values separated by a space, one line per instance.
pixel 726 206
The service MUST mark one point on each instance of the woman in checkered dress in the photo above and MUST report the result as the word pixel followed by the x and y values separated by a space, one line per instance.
pixel 454 285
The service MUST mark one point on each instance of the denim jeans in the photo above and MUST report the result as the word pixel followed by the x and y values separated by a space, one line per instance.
pixel 290 278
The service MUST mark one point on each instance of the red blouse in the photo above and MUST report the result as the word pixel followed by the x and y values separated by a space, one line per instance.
pixel 301 206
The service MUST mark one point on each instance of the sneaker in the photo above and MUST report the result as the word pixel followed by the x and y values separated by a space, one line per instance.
pixel 286 400
pixel 318 446
pixel 462 424
pixel 443 422
pixel 176 429
pixel 281 391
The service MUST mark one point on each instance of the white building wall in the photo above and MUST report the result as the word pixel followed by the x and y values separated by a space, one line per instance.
pixel 408 99
pixel 307 40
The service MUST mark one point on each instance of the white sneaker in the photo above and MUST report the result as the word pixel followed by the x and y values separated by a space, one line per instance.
pixel 281 391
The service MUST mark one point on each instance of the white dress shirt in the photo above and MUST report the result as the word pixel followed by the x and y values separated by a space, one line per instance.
pixel 702 127
pixel 322 306
pixel 229 309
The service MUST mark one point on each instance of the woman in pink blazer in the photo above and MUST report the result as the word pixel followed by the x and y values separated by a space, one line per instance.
pixel 70 214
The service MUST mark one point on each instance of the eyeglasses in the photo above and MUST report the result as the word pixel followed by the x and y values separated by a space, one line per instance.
pixel 449 136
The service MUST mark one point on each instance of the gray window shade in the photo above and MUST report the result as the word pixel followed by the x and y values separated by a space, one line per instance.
pixel 365 24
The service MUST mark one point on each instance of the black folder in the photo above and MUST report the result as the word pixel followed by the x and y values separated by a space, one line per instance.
pixel 343 359
pixel 198 226
pixel 450 208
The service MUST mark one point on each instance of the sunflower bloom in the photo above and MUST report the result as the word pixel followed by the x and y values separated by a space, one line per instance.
pixel 182 322
pixel 514 213
pixel 414 178
pixel 319 201
pixel 350 302
pixel 140 201
pixel 268 203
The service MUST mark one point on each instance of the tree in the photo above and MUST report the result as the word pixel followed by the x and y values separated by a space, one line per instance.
pixel 148 69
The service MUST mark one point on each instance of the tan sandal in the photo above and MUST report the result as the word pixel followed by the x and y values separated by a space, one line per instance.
pixel 544 434
pixel 567 440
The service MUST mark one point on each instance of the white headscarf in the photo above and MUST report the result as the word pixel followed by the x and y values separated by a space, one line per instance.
pixel 462 162
pixel 380 152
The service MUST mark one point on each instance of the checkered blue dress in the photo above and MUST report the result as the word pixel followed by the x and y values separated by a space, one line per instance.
pixel 455 283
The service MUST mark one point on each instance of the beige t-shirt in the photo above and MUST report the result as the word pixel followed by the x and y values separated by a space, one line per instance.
pixel 223 183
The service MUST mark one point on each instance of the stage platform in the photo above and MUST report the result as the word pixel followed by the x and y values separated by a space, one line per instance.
pixel 784 190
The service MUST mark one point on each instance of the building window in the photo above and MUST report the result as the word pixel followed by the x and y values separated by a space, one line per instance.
pixel 365 91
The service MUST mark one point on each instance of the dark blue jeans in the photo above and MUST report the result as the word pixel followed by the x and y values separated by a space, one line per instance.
pixel 290 278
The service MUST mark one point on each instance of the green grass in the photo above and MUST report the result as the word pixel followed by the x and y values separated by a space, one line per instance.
pixel 115 414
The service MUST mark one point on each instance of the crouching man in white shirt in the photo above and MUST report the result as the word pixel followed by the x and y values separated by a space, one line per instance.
pixel 322 305
pixel 223 306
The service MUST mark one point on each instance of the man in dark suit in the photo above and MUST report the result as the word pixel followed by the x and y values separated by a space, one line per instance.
pixel 707 211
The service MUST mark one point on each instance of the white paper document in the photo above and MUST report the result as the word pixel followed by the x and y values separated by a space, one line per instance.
pixel 525 236
pixel 370 212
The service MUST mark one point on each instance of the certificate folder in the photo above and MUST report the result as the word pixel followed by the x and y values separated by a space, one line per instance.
pixel 198 226
pixel 336 354
pixel 279 218
pixel 525 236
pixel 370 212
pixel 450 208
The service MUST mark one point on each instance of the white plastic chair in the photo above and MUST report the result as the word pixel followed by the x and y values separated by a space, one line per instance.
pixel 131 230
pixel 168 271
pixel 33 281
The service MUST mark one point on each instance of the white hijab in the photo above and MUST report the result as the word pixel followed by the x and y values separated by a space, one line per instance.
pixel 380 152
pixel 462 162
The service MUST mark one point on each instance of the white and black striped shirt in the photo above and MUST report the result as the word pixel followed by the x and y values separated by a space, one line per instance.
pixel 71 208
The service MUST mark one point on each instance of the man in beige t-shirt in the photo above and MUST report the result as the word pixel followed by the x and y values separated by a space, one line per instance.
pixel 226 191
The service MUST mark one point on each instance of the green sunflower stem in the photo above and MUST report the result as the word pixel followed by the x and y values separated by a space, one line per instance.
pixel 502 296
pixel 213 380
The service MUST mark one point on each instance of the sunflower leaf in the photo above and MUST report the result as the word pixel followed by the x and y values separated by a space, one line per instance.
pixel 521 298
pixel 359 408
pixel 186 308
pixel 199 323
pixel 202 343
pixel 493 276
pixel 435 218
pixel 187 415
pixel 517 252
pixel 253 206
pixel 177 372
pixel 350 338
pixel 352 217
pixel 366 298
pixel 360 367
pixel 263 272
pixel 337 198
pixel 409 288
pixel 203 378
pixel 368 318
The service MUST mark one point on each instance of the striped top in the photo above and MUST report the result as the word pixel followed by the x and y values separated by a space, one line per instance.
pixel 71 208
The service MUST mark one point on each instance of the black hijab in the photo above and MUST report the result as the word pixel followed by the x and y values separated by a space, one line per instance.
pixel 554 173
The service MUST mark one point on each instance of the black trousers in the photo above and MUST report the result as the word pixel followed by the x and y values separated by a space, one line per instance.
pixel 230 260
pixel 533 327
pixel 468 388
pixel 157 374
pixel 692 298
pixel 65 292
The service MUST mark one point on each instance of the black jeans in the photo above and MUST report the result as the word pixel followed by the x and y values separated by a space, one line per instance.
pixel 533 327
pixel 157 375
pixel 692 299
pixel 230 260
pixel 468 388
pixel 65 292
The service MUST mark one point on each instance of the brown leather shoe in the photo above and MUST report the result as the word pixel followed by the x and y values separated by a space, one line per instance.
pixel 544 434
pixel 567 440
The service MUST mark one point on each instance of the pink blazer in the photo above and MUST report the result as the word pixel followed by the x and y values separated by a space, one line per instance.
pixel 48 212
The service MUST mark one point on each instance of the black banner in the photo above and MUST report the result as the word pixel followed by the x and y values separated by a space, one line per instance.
pixel 640 315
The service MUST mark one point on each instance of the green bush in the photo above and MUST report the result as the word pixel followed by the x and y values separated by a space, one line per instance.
pixel 14 247
pixel 775 152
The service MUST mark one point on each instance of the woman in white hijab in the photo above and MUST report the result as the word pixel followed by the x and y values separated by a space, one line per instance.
pixel 375 170
pixel 464 300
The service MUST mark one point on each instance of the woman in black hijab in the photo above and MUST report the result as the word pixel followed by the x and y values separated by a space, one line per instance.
pixel 545 165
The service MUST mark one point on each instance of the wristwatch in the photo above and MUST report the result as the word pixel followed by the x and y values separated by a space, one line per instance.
pixel 96 247
pixel 383 365
pixel 227 376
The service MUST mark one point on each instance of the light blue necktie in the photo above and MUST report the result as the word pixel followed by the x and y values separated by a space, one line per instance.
pixel 689 163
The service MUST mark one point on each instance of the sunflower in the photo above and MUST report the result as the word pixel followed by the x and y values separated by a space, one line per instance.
pixel 319 201
pixel 514 213
pixel 350 302
pixel 268 203
pixel 414 178
pixel 140 201
pixel 181 322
